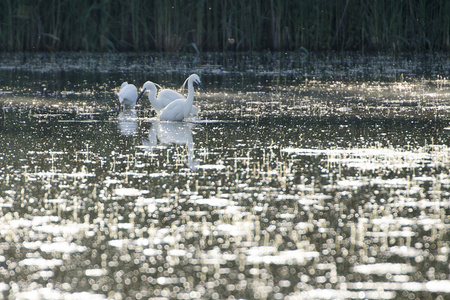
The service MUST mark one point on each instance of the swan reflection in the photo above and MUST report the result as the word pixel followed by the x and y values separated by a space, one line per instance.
pixel 173 133
pixel 128 122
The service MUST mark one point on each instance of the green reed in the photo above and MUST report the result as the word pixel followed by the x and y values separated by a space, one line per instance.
pixel 215 25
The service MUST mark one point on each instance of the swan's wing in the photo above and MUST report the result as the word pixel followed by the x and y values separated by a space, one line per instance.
pixel 166 96
pixel 174 111
pixel 128 94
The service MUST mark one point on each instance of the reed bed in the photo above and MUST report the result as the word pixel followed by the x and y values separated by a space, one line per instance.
pixel 225 25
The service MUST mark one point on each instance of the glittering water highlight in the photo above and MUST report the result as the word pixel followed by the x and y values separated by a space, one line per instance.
pixel 286 186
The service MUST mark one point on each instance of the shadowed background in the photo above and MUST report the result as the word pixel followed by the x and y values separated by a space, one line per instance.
pixel 212 25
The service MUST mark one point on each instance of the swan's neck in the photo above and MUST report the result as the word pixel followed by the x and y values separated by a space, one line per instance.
pixel 152 95
pixel 190 97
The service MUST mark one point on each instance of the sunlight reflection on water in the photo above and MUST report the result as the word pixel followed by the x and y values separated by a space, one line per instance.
pixel 302 182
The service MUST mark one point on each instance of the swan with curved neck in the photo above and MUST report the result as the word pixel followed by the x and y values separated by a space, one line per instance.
pixel 179 109
pixel 164 97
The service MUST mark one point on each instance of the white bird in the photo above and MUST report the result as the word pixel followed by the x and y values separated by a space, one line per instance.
pixel 179 109
pixel 165 97
pixel 128 95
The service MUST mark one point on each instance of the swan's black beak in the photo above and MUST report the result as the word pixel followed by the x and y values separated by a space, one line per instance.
pixel 200 84
pixel 140 95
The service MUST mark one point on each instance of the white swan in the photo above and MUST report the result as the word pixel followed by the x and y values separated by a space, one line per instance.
pixel 164 97
pixel 128 95
pixel 179 109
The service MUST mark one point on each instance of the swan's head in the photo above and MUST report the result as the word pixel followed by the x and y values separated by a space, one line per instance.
pixel 148 86
pixel 124 84
pixel 195 78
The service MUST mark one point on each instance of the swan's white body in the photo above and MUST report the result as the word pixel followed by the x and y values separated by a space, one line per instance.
pixel 165 97
pixel 128 95
pixel 179 109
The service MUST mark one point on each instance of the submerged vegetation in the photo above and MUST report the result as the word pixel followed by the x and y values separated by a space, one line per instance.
pixel 212 25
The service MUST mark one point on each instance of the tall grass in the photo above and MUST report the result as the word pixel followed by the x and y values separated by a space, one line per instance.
pixel 221 25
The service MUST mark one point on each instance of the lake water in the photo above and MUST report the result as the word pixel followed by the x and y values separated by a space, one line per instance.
pixel 304 177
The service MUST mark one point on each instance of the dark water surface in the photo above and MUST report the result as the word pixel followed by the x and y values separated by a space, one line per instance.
pixel 304 177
